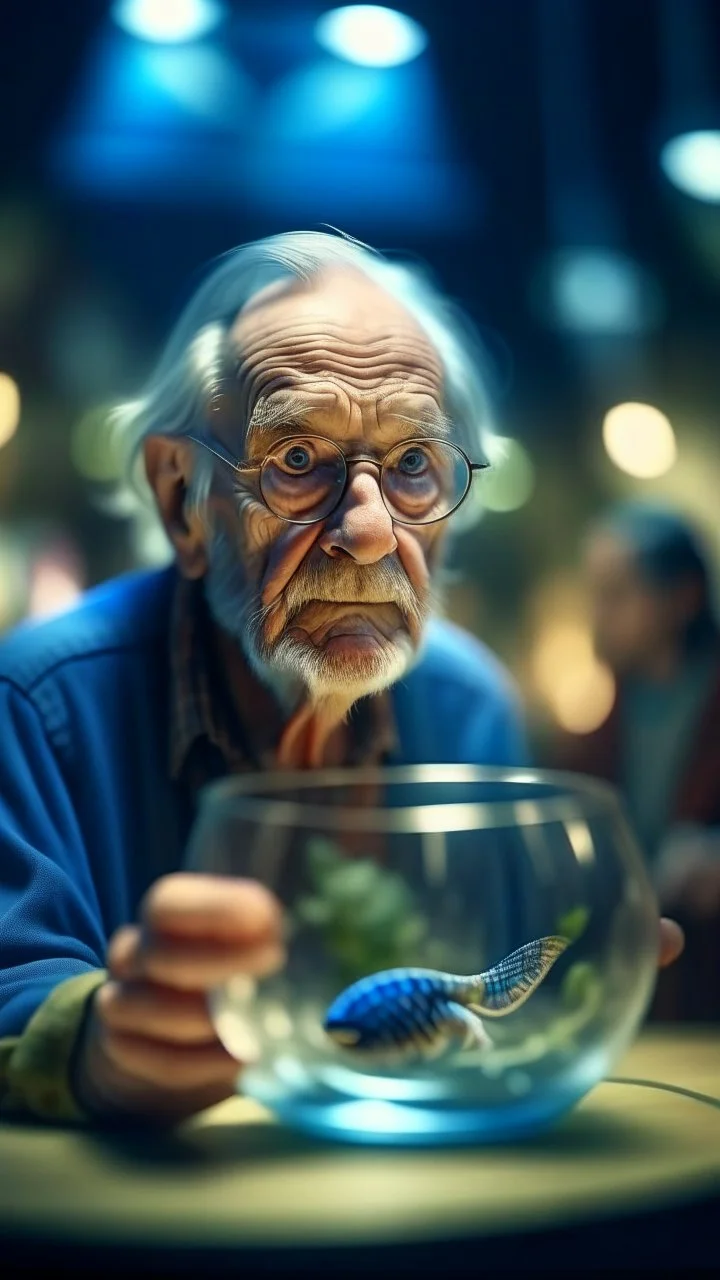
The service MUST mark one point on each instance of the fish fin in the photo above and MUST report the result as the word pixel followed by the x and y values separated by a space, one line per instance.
pixel 463 1020
pixel 345 1037
pixel 509 984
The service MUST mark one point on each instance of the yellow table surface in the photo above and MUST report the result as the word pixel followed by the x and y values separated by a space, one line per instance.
pixel 233 1176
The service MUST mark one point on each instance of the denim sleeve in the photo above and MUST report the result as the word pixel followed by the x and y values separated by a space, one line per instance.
pixel 50 922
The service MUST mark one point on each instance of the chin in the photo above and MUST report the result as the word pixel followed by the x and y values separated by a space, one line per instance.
pixel 348 670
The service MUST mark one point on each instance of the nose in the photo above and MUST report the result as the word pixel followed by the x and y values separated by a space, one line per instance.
pixel 361 527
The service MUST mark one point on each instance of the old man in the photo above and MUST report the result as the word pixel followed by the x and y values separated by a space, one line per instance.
pixel 315 420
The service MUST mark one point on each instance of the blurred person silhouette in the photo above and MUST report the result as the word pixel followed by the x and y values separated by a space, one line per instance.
pixel 649 580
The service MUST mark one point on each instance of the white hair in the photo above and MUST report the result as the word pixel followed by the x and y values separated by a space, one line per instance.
pixel 191 369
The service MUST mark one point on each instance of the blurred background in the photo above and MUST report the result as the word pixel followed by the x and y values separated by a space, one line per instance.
pixel 556 163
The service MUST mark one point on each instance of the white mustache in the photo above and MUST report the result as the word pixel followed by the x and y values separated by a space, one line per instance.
pixel 351 583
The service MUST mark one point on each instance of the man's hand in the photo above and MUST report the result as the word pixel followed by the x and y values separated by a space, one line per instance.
pixel 672 942
pixel 149 1047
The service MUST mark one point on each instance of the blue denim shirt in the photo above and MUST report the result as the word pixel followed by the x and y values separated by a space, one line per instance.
pixel 90 815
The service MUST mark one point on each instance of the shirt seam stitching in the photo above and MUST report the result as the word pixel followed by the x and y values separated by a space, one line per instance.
pixel 26 690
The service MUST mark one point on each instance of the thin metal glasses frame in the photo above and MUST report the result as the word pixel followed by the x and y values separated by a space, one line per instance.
pixel 215 447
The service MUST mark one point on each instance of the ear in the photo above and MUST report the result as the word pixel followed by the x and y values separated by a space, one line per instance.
pixel 169 466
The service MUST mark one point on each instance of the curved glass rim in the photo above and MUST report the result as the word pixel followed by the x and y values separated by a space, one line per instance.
pixel 585 797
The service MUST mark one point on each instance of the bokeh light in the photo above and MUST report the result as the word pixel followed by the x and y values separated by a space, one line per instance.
pixel 204 81
pixel 56 581
pixel 691 161
pixel 167 21
pixel 370 35
pixel 640 440
pixel 13 585
pixel 9 408
pixel 95 447
pixel 150 543
pixel 510 480
pixel 599 291
pixel 578 689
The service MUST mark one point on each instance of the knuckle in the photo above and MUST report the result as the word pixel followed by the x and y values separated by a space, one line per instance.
pixel 168 969
pixel 166 1066
pixel 123 948
pixel 158 900
pixel 266 905
pixel 120 1051
pixel 264 962
pixel 106 1003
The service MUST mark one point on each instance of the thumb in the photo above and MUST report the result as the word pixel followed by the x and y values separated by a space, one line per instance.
pixel 672 942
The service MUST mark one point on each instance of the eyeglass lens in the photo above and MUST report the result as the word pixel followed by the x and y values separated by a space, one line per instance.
pixel 422 480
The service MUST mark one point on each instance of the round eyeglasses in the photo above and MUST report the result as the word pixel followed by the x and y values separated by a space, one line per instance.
pixel 304 478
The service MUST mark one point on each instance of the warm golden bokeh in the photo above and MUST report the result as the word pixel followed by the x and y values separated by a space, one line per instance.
pixel 640 440
pixel 9 408
pixel 577 689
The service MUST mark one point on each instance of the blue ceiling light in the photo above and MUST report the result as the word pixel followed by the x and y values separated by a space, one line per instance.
pixel 691 161
pixel 370 35
pixel 167 21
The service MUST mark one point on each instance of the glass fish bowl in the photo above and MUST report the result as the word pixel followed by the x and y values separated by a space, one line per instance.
pixel 469 950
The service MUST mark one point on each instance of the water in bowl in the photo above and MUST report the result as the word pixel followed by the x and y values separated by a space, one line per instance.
pixel 543 1060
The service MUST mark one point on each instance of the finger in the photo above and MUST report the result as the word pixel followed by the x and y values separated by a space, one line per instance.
pixel 213 907
pixel 158 1013
pixel 122 951
pixel 189 966
pixel 170 1067
pixel 672 942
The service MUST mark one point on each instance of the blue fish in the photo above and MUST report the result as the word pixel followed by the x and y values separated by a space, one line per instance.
pixel 407 1013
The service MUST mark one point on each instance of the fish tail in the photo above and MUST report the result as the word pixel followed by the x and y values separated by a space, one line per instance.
pixel 510 982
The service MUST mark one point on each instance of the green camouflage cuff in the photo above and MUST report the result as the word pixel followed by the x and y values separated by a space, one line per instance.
pixel 35 1066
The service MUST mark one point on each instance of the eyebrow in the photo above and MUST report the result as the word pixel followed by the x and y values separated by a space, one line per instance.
pixel 435 424
pixel 280 413
pixel 291 412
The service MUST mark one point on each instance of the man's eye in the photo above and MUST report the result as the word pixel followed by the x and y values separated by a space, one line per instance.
pixel 297 458
pixel 413 463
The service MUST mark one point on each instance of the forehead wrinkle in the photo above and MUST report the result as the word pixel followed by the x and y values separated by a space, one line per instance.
pixel 309 343
pixel 271 329
pixel 381 381
pixel 345 341
pixel 362 365
pixel 269 409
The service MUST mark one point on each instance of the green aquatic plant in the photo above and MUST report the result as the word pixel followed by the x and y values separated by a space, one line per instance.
pixel 573 923
pixel 366 914
pixel 582 986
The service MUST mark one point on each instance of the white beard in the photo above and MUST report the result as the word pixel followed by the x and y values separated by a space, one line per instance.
pixel 324 679
pixel 291 667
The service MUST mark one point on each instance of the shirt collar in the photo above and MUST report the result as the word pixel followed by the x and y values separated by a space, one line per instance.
pixel 245 729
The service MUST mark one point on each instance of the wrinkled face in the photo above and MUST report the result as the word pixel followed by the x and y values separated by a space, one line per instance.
pixel 631 619
pixel 338 604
